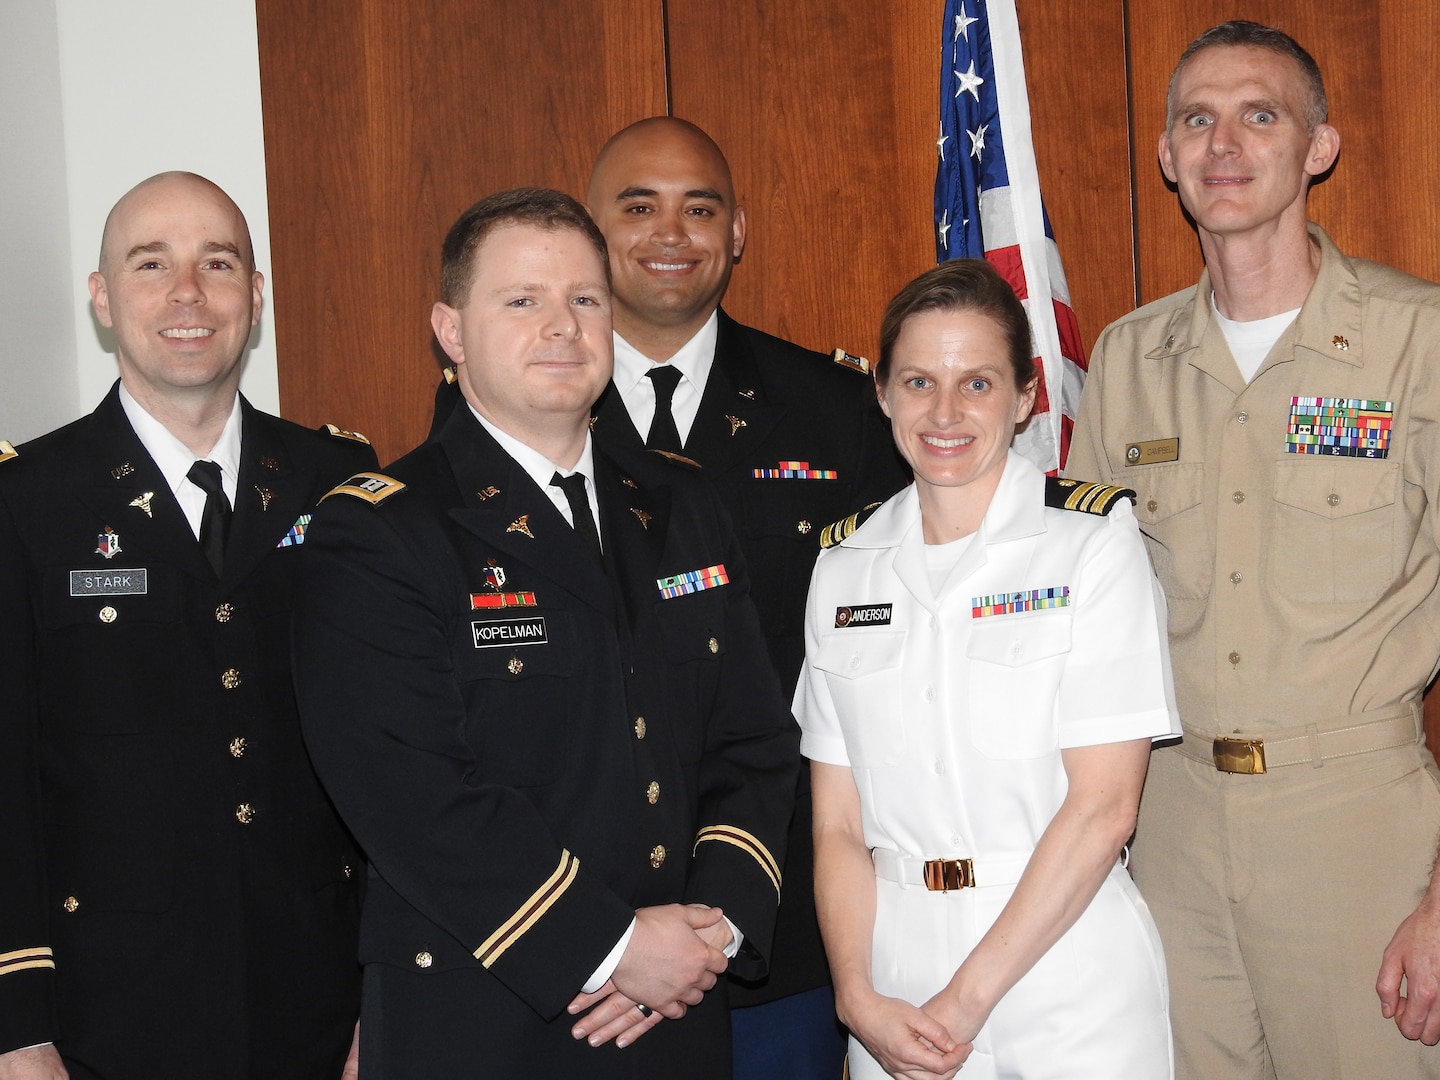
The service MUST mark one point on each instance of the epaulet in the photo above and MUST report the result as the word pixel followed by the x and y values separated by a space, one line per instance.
pixel 679 459
pixel 341 433
pixel 373 487
pixel 850 360
pixel 834 533
pixel 449 374
pixel 7 451
pixel 1085 496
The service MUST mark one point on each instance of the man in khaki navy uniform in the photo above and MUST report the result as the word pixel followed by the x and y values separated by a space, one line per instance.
pixel 792 441
pixel 1281 424
pixel 177 898
pixel 532 678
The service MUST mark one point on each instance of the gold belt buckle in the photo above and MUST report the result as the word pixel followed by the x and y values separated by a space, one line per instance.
pixel 942 875
pixel 1239 755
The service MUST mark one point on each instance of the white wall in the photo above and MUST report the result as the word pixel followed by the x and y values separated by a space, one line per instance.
pixel 96 95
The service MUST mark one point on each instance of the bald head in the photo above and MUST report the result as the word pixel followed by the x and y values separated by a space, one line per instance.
pixel 661 193
pixel 161 188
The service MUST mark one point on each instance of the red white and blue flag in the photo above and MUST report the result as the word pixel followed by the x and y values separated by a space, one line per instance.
pixel 987 204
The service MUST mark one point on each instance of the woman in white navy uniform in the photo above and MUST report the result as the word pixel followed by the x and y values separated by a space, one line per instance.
pixel 985 672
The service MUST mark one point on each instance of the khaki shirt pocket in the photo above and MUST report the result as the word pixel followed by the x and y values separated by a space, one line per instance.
pixel 862 671
pixel 1167 506
pixel 1013 667
pixel 1333 535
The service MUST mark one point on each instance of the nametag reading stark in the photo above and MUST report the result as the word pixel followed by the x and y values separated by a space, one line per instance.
pixel 109 582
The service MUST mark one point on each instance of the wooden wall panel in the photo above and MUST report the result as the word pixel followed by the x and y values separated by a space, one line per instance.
pixel 383 121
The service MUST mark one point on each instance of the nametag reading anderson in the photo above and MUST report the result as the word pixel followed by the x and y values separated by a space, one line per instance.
pixel 494 633
pixel 863 615
pixel 108 582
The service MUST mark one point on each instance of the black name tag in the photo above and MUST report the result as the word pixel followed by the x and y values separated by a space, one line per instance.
pixel 109 582
pixel 864 615
pixel 494 633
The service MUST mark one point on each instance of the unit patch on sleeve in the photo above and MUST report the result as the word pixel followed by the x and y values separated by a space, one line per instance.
pixel 1339 427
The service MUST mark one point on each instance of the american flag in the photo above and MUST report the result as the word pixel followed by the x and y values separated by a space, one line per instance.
pixel 987 203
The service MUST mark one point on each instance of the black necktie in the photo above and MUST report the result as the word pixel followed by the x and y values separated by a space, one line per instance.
pixel 574 488
pixel 215 521
pixel 664 435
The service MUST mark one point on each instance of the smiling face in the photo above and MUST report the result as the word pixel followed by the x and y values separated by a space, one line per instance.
pixel 532 342
pixel 176 284
pixel 953 404
pixel 662 195
pixel 1237 147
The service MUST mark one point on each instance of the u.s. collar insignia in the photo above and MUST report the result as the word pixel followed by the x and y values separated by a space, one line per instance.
pixel 119 472
pixel 1340 343
pixel 642 515
pixel 746 393
pixel 735 423
pixel 108 543
pixel 487 493
pixel 591 423
pixel 142 502
pixel 494 576
pixel 267 462
pixel 266 495
pixel 521 525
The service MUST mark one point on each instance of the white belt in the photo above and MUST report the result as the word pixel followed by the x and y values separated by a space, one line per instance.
pixel 942 875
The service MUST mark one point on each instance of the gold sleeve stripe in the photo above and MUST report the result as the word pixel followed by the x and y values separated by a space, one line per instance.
pixel 1085 496
pixel 746 842
pixel 513 928
pixel 24 959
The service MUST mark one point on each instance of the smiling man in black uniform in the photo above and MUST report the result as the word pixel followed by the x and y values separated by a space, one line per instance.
pixel 532 678
pixel 792 441
pixel 177 897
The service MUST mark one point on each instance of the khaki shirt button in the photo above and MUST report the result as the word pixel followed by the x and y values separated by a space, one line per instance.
pixel 1240 419
pixel 1236 577
pixel 1152 506
pixel 223 613
pixel 516 665
pixel 657 856
pixel 803 527
pixel 639 727
pixel 1234 658
pixel 652 793
pixel 1238 498
pixel 423 959
pixel 230 678
pixel 1333 499
pixel 244 813
pixel 108 614
pixel 71 905
pixel 714 645
pixel 237 747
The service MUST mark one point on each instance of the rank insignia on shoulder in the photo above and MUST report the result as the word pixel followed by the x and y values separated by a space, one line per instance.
pixel 449 374
pixel 374 488
pixel 1084 495
pixel 7 451
pixel 341 433
pixel 851 361
pixel 680 459
pixel 834 533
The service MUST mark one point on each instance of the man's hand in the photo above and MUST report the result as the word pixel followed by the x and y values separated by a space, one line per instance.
pixel 352 1059
pixel 667 966
pixel 34 1063
pixel 614 1016
pixel 1414 955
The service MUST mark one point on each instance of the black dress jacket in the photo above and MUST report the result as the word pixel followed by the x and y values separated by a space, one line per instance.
pixel 177 898
pixel 530 745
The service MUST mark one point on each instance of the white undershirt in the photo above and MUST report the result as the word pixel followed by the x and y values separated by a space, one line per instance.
pixel 1250 342
pixel 940 559
pixel 693 360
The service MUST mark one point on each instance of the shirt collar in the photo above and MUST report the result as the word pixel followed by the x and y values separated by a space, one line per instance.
pixel 173 457
pixel 693 359
pixel 536 465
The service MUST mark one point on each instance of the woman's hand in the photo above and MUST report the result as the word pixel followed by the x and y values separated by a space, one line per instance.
pixel 907 1042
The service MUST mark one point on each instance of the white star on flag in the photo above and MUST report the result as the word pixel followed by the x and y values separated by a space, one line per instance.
pixel 969 81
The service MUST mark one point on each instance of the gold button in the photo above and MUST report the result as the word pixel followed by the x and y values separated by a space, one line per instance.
pixel 244 813
pixel 1333 499
pixel 237 747
pixel 1236 578
pixel 652 793
pixel 223 613
pixel 1242 418
pixel 639 727
pixel 516 665
pixel 803 527
pixel 108 614
pixel 1234 658
pixel 71 904
pixel 423 959
pixel 1152 506
pixel 714 645
pixel 230 678
pixel 657 856
pixel 1238 498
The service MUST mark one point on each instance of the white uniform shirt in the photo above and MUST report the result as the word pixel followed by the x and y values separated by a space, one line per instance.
pixel 953 717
